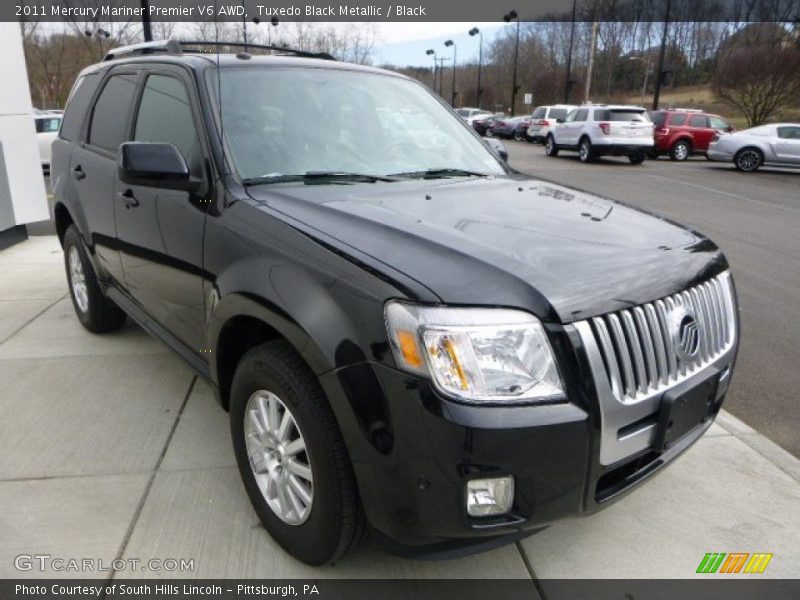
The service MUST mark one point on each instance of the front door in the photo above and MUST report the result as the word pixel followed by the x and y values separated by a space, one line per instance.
pixel 160 231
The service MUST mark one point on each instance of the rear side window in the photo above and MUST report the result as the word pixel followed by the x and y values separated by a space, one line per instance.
pixel 581 114
pixel 789 133
pixel 165 115
pixel 659 118
pixel 109 126
pixel 677 120
pixel 698 121
pixel 558 113
pixel 78 106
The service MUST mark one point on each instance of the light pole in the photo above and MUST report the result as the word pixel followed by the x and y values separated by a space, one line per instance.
pixel 274 22
pixel 432 52
pixel 568 83
pixel 511 16
pixel 449 43
pixel 660 69
pixel 146 28
pixel 473 32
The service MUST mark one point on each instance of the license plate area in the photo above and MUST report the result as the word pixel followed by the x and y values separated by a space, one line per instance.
pixel 683 408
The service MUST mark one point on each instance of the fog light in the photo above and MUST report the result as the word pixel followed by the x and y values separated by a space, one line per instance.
pixel 490 496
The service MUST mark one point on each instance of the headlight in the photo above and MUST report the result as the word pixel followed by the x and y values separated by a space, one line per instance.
pixel 478 355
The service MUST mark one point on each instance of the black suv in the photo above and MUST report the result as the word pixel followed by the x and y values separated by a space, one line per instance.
pixel 408 334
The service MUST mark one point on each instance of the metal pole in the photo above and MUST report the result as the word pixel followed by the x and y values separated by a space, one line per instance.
pixel 660 69
pixel 646 75
pixel 480 66
pixel 591 63
pixel 147 30
pixel 514 79
pixel 569 54
pixel 453 93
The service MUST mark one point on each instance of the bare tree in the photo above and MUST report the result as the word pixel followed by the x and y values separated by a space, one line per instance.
pixel 759 80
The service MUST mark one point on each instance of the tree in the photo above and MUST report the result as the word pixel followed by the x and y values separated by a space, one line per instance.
pixel 758 80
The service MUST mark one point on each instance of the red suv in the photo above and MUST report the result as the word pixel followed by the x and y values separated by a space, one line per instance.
pixel 682 132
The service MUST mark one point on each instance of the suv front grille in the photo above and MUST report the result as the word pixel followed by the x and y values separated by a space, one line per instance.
pixel 644 348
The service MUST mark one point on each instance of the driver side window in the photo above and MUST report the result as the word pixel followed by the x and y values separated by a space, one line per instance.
pixel 571 116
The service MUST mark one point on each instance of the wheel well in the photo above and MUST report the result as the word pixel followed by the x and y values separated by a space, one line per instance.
pixel 584 137
pixel 63 221
pixel 683 139
pixel 237 337
pixel 756 148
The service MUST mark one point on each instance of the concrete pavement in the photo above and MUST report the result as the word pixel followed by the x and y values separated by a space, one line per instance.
pixel 110 448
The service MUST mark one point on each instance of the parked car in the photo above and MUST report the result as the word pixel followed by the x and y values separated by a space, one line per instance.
pixel 776 145
pixel 416 338
pixel 601 129
pixel 543 118
pixel 682 132
pixel 47 126
pixel 515 127
pixel 483 124
pixel 468 113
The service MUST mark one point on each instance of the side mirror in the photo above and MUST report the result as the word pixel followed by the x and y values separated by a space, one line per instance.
pixel 497 147
pixel 154 164
pixel 559 120
pixel 729 129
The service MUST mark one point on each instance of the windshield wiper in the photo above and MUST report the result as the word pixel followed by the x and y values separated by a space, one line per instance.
pixel 317 177
pixel 439 173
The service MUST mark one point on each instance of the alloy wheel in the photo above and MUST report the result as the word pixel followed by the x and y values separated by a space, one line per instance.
pixel 748 160
pixel 681 151
pixel 585 151
pixel 77 280
pixel 278 457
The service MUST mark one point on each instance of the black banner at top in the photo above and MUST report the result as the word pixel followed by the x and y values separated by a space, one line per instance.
pixel 735 11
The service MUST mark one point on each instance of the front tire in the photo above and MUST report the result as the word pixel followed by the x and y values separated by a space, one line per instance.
pixel 748 160
pixel 550 146
pixel 96 313
pixel 292 457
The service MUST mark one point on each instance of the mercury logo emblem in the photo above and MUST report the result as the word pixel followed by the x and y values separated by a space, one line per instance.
pixel 686 333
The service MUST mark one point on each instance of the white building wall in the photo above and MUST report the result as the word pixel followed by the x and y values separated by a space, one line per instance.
pixel 23 197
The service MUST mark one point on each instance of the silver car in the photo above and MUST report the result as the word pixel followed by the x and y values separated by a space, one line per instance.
pixel 777 145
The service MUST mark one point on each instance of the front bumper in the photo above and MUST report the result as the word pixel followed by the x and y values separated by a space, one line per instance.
pixel 413 452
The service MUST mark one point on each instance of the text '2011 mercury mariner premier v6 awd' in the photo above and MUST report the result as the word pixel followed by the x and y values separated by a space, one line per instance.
pixel 406 332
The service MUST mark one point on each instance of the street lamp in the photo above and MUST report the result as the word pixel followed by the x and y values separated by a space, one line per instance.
pixel 101 33
pixel 274 22
pixel 432 52
pixel 449 43
pixel 511 16
pixel 473 32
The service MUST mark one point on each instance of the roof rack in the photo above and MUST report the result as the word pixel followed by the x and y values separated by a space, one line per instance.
pixel 177 47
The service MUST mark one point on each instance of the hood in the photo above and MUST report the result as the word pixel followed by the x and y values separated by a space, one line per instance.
pixel 563 254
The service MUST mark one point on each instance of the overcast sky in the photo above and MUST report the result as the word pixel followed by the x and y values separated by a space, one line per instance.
pixel 403 44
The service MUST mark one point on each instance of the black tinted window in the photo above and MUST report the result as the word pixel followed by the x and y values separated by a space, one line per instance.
pixel 165 115
pixel 658 118
pixel 620 115
pixel 698 121
pixel 558 113
pixel 678 120
pixel 109 124
pixel 78 106
pixel 789 133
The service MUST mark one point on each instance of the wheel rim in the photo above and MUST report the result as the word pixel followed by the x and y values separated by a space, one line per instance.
pixel 584 151
pixel 549 145
pixel 748 160
pixel 278 457
pixel 681 151
pixel 77 280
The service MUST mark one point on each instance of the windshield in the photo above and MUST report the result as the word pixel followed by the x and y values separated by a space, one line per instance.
pixel 280 121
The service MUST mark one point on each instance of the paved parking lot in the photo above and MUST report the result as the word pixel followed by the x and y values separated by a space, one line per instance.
pixel 110 448
pixel 755 219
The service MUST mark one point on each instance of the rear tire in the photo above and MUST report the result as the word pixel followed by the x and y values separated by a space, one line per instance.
pixel 748 160
pixel 550 146
pixel 519 136
pixel 585 151
pixel 636 159
pixel 333 523
pixel 681 150
pixel 96 313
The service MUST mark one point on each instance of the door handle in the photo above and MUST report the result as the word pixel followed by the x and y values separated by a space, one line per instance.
pixel 128 198
pixel 78 172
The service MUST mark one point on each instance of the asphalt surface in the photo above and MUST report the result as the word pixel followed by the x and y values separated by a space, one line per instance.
pixel 755 219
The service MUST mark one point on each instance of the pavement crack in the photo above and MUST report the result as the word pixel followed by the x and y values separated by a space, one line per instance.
pixel 33 318
pixel 529 567
pixel 148 487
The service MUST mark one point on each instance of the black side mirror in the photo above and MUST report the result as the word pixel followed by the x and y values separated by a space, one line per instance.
pixel 559 120
pixel 154 165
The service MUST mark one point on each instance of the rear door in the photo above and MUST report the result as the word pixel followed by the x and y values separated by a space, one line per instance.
pixel 701 132
pixel 93 168
pixel 568 131
pixel 160 230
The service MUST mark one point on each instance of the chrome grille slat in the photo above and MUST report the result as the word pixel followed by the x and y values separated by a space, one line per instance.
pixel 639 345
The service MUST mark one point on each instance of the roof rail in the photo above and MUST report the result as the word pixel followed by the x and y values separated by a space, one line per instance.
pixel 177 47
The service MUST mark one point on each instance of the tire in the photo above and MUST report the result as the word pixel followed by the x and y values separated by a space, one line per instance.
pixel 636 159
pixel 550 146
pixel 96 313
pixel 489 133
pixel 585 152
pixel 519 136
pixel 748 160
pixel 331 523
pixel 681 150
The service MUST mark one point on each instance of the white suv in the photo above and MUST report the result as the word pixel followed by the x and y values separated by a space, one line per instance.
pixel 544 117
pixel 603 129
